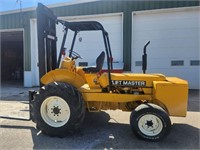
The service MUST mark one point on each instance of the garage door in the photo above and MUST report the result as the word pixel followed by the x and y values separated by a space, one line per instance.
pixel 174 48
pixel 90 44
pixel 12 54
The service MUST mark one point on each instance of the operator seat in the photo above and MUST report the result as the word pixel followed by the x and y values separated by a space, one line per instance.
pixel 99 64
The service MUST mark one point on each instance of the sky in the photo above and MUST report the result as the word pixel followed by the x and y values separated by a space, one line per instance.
pixel 7 5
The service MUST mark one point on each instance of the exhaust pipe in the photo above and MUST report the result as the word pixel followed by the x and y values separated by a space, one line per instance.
pixel 144 58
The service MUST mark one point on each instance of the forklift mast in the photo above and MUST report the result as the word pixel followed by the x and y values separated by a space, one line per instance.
pixel 46 31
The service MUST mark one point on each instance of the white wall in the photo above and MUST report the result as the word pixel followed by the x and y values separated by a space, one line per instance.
pixel 34 78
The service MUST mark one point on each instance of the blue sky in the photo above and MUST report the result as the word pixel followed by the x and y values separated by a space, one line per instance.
pixel 6 5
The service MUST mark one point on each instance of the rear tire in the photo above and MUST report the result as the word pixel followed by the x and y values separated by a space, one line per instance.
pixel 150 122
pixel 58 109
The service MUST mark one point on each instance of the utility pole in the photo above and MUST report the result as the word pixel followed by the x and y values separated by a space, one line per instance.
pixel 21 13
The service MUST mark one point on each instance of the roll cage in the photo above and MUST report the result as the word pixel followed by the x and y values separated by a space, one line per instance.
pixel 85 26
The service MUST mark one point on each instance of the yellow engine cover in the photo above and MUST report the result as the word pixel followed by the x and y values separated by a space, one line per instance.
pixel 128 77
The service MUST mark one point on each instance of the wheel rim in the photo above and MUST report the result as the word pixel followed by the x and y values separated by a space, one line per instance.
pixel 150 125
pixel 55 111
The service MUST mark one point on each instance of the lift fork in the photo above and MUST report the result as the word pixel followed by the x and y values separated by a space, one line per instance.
pixel 31 94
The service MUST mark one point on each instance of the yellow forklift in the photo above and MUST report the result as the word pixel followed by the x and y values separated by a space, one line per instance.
pixel 67 91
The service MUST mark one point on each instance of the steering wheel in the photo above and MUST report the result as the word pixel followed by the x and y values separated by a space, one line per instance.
pixel 75 55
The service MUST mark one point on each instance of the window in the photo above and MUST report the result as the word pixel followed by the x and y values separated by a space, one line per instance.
pixel 195 62
pixel 177 63
pixel 138 63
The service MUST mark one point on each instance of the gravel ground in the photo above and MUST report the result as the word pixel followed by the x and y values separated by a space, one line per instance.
pixel 103 130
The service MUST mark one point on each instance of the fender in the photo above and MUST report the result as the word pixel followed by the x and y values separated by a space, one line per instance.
pixel 62 75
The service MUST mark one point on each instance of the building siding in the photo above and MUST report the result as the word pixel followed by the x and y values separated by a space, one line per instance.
pixel 22 20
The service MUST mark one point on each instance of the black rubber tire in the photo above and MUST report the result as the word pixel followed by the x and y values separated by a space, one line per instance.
pixel 74 100
pixel 150 109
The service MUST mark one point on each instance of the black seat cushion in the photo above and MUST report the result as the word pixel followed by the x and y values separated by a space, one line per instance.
pixel 99 64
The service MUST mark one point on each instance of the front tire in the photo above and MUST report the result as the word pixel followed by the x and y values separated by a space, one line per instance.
pixel 58 109
pixel 150 122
